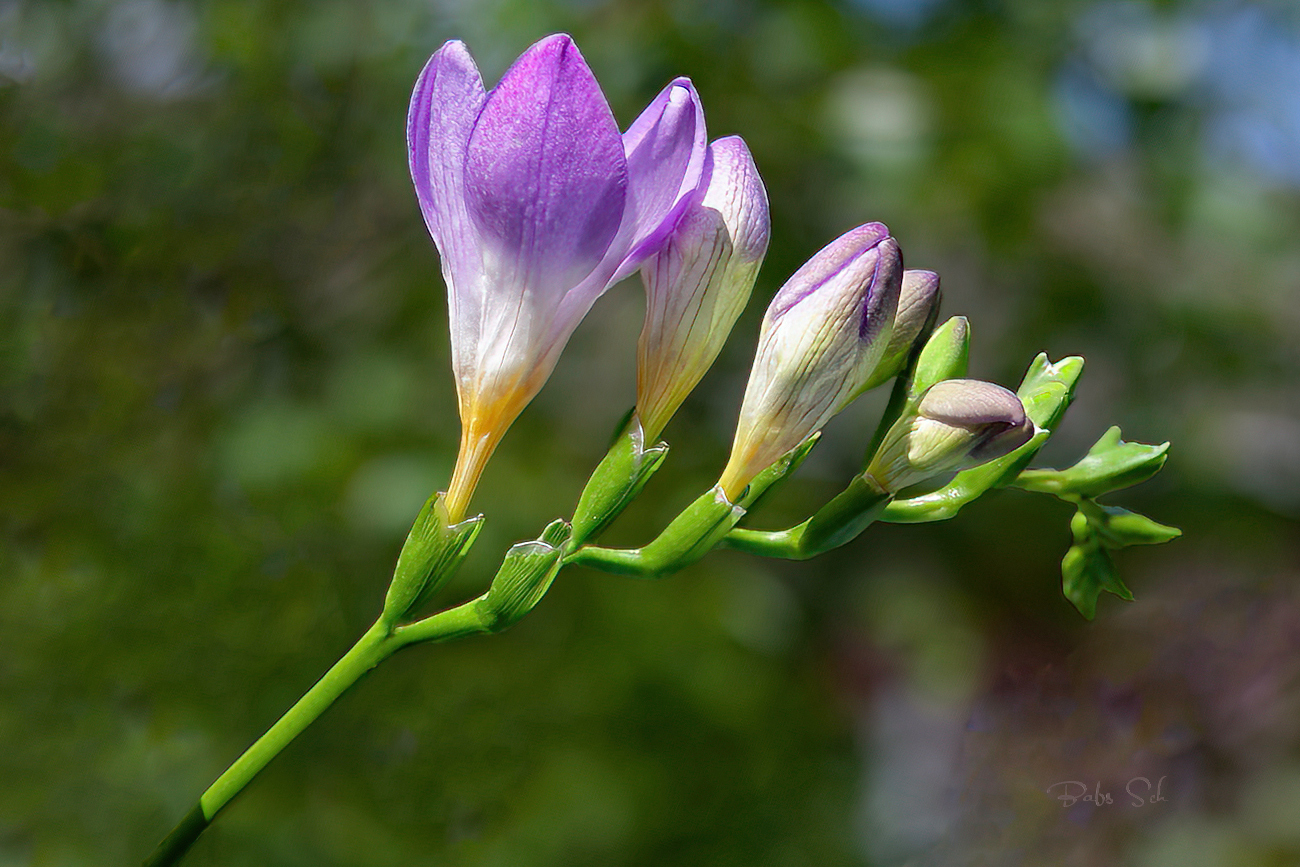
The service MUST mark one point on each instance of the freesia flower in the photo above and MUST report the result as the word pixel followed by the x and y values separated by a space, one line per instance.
pixel 536 205
pixel 957 424
pixel 822 336
pixel 698 284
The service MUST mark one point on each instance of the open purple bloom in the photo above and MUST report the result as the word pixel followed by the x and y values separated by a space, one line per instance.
pixel 822 336
pixel 537 205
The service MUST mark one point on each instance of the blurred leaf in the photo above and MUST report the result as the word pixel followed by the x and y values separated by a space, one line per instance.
pixel 1119 528
pixel 1087 570
pixel 1111 464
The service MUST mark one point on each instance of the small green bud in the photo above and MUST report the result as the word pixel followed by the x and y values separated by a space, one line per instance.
pixel 957 423
pixel 944 356
pixel 433 551
pixel 525 575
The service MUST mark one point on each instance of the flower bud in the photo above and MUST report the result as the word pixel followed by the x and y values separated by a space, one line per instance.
pixel 822 336
pixel 698 284
pixel 918 309
pixel 958 423
pixel 945 356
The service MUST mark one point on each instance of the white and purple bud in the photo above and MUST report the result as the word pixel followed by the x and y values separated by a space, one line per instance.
pixel 698 284
pixel 537 205
pixel 823 335
pixel 918 309
pixel 957 424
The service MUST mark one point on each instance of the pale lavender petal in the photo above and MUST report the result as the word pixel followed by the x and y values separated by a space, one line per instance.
pixel 842 253
pixel 665 149
pixel 972 403
pixel 545 174
pixel 447 99
pixel 731 185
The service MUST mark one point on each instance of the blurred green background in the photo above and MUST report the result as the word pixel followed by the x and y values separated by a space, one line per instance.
pixel 224 394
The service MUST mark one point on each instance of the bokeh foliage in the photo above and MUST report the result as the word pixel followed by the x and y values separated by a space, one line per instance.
pixel 224 394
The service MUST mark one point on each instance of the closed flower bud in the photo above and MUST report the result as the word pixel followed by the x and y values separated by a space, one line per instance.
pixel 822 337
pixel 918 309
pixel 958 423
pixel 699 283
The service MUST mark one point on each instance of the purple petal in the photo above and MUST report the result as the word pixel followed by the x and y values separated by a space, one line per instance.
pixel 665 149
pixel 845 252
pixel 731 185
pixel 545 174
pixel 446 101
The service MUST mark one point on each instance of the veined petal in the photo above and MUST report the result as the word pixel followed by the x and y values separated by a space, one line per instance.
pixel 545 176
pixel 698 284
pixel 822 336
pixel 665 149
pixel 446 101
pixel 918 309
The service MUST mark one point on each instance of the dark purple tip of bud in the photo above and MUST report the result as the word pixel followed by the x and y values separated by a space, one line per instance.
pixel 881 301
pixel 844 252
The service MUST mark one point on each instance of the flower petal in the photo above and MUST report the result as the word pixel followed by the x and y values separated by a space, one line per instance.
pixel 698 283
pixel 545 174
pixel 447 99
pixel 665 148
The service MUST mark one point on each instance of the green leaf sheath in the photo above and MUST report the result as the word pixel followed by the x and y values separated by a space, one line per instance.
pixel 433 551
pixel 616 481
pixel 689 536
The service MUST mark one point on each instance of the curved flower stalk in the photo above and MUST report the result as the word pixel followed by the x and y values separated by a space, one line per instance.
pixel 698 284
pixel 822 337
pixel 537 205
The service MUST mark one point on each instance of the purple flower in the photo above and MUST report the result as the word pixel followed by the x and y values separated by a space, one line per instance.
pixel 697 285
pixel 956 424
pixel 822 337
pixel 537 205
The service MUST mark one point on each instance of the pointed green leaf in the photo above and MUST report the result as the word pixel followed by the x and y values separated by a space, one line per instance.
pixel 1111 464
pixel 1087 568
pixel 1119 528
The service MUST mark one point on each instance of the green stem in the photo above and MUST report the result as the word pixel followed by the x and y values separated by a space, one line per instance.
pixel 835 524
pixel 378 643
